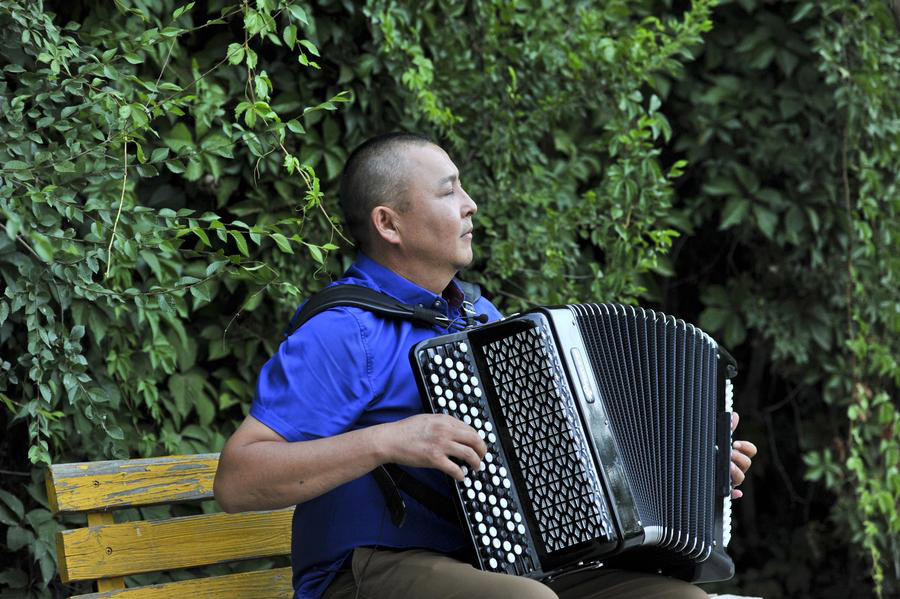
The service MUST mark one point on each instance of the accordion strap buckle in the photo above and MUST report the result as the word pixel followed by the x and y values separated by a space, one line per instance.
pixel 580 567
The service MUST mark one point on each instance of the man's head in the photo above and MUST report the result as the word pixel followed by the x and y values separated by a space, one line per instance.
pixel 405 205
pixel 375 175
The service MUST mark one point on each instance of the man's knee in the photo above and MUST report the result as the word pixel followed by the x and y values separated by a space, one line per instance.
pixel 527 588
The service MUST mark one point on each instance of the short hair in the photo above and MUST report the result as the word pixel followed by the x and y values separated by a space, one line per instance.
pixel 374 175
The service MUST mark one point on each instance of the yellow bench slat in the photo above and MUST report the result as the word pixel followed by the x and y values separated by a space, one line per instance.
pixel 149 546
pixel 268 584
pixel 94 486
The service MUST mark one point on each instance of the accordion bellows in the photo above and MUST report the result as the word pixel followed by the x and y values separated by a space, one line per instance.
pixel 604 425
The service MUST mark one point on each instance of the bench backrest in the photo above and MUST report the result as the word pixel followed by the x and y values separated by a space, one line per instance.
pixel 107 551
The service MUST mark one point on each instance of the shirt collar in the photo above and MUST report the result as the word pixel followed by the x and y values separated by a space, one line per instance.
pixel 404 290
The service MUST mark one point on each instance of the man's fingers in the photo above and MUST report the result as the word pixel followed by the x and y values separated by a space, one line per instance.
pixel 466 454
pixel 735 419
pixel 745 447
pixel 466 435
pixel 737 475
pixel 742 461
pixel 451 469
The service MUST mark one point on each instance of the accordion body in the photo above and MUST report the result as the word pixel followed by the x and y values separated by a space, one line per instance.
pixel 608 434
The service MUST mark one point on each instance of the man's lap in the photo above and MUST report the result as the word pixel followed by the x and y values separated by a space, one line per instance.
pixel 418 573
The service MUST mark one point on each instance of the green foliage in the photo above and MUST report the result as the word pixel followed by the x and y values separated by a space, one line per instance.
pixel 792 203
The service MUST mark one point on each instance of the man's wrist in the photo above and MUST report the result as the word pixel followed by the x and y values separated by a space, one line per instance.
pixel 381 445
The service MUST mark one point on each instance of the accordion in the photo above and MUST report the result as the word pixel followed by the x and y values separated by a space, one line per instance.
pixel 608 435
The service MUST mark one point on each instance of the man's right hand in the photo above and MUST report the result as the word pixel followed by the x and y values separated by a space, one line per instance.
pixel 433 441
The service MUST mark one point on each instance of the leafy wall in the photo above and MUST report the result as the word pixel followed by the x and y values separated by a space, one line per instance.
pixel 167 185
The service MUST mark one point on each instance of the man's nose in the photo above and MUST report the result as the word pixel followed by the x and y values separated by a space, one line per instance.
pixel 469 205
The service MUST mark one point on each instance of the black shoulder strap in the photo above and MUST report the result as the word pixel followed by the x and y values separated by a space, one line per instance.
pixel 358 296
pixel 391 479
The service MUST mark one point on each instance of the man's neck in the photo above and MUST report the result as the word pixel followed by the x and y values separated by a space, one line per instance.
pixel 421 275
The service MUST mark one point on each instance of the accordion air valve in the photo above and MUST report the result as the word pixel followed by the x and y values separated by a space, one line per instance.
pixel 608 434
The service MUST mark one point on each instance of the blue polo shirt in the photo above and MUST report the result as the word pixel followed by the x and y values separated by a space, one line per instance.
pixel 346 369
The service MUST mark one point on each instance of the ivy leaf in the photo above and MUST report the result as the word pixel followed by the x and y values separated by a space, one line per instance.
pixel 734 212
pixel 283 244
pixel 290 35
pixel 316 253
pixel 18 537
pixel 13 503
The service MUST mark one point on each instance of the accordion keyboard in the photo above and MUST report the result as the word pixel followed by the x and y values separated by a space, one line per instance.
pixel 494 514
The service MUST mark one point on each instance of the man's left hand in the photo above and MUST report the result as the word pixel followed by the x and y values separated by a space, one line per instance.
pixel 741 454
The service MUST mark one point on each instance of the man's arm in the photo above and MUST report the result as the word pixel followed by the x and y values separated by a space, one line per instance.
pixel 260 470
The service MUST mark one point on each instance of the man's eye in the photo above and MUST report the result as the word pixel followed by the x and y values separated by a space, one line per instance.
pixel 449 192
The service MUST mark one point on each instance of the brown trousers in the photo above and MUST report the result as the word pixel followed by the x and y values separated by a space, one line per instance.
pixel 419 574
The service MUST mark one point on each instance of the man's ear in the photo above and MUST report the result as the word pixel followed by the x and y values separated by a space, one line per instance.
pixel 385 223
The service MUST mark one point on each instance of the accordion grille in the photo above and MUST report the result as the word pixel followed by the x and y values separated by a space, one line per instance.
pixel 547 440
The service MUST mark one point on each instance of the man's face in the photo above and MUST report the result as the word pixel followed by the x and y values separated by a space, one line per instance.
pixel 436 227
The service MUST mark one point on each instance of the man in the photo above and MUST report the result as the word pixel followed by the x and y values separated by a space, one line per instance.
pixel 338 400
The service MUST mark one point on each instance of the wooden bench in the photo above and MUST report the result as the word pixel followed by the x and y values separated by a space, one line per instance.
pixel 106 551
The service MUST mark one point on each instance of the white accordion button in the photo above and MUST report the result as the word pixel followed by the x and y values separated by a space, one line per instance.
pixel 510 557
pixel 493 563
pixel 470 494
pixel 435 378
pixel 478 485
pixel 474 412
pixel 486 540
pixel 518 549
pixel 464 378
pixel 459 366
pixel 463 347
pixel 517 517
pixel 463 408
pixel 496 543
pixel 467 389
pixel 453 374
pixel 452 405
pixel 482 497
pixel 466 418
pixel 477 392
pixel 510 526
pixel 438 359
pixel 504 504
pixel 521 529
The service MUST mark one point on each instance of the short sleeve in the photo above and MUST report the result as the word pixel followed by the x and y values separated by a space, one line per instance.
pixel 318 383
